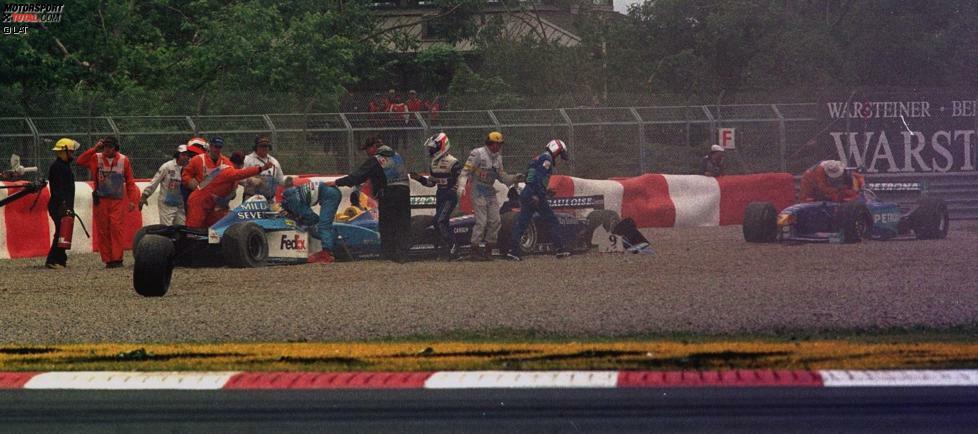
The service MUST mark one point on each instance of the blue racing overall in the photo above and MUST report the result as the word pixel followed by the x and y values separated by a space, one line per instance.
pixel 533 199
pixel 299 200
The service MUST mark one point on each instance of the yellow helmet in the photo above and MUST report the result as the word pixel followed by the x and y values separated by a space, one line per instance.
pixel 495 136
pixel 65 144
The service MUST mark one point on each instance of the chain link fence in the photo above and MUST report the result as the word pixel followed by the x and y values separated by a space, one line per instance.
pixel 604 142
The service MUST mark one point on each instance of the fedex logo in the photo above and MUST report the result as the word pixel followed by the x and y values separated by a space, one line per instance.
pixel 294 243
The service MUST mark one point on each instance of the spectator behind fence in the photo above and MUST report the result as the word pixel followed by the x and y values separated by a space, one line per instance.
pixel 712 163
pixel 434 106
pixel 399 119
pixel 415 104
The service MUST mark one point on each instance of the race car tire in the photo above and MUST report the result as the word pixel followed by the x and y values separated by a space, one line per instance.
pixel 149 229
pixel 244 245
pixel 760 223
pixel 854 221
pixel 153 265
pixel 419 226
pixel 529 240
pixel 605 218
pixel 930 220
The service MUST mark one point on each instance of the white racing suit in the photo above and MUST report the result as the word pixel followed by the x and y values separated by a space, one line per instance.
pixel 270 178
pixel 485 168
pixel 170 202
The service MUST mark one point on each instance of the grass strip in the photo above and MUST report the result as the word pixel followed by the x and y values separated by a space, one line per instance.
pixel 449 355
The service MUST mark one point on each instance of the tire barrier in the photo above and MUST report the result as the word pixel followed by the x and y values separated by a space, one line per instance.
pixel 652 200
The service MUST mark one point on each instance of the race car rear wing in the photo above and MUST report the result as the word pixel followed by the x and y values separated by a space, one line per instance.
pixel 574 202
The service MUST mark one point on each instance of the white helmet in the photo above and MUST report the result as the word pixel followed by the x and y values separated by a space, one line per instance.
pixel 557 147
pixel 833 168
pixel 199 142
pixel 437 145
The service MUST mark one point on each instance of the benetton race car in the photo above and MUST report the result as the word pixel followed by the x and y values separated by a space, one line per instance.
pixel 865 217
pixel 253 234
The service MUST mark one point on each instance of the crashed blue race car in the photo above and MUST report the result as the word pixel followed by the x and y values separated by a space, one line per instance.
pixel 255 234
pixel 863 218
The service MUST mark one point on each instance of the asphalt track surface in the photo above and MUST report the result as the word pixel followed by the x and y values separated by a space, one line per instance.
pixel 702 281
pixel 945 410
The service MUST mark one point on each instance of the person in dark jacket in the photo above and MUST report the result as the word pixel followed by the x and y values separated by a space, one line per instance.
pixel 61 182
pixel 388 178
pixel 533 200
pixel 712 164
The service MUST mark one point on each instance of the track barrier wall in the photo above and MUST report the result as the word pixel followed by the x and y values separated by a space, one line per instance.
pixel 653 200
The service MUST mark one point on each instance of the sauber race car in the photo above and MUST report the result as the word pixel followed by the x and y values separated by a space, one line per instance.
pixel 255 234
pixel 865 217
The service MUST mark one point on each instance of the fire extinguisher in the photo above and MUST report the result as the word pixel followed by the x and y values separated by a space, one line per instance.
pixel 67 227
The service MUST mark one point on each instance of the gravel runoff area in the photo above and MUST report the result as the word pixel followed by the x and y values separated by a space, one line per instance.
pixel 701 281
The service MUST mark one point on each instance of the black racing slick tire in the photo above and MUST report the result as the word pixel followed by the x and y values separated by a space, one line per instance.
pixel 760 223
pixel 244 246
pixel 148 229
pixel 930 221
pixel 529 240
pixel 153 265
pixel 605 218
pixel 854 221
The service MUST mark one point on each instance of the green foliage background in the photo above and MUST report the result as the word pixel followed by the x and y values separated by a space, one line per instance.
pixel 260 56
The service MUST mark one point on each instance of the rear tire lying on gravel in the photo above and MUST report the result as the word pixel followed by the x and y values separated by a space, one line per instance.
pixel 760 223
pixel 930 220
pixel 153 266
pixel 855 221
pixel 244 245
pixel 605 218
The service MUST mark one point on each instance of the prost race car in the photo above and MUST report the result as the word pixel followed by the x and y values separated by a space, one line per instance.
pixel 865 217
pixel 256 234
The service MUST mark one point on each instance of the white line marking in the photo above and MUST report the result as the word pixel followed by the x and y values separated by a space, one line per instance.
pixel 838 378
pixel 88 380
pixel 522 380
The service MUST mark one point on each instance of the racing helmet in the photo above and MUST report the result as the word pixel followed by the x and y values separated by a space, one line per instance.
pixel 557 147
pixel 834 169
pixel 65 144
pixel 197 145
pixel 437 144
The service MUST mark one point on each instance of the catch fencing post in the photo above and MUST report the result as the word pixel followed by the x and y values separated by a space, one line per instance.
pixel 570 128
pixel 115 130
pixel 349 142
pixel 495 121
pixel 713 124
pixel 782 138
pixel 193 126
pixel 271 126
pixel 641 139
pixel 37 138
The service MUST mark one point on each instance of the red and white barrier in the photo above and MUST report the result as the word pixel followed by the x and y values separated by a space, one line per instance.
pixel 652 200
pixel 127 380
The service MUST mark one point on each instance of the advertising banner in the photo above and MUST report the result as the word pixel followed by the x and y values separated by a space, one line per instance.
pixel 901 132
